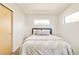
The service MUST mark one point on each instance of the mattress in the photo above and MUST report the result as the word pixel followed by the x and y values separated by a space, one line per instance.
pixel 43 37
pixel 45 45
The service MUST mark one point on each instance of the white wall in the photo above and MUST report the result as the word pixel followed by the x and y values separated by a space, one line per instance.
pixel 70 31
pixel 18 25
pixel 53 21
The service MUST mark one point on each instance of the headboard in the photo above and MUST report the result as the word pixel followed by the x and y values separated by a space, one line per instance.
pixel 42 29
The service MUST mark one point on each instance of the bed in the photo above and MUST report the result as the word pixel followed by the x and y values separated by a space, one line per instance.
pixel 43 42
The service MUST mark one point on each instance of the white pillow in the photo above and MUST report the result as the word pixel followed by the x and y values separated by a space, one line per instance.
pixel 41 32
pixel 36 32
pixel 46 32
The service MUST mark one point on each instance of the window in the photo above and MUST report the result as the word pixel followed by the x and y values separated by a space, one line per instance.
pixel 72 18
pixel 41 23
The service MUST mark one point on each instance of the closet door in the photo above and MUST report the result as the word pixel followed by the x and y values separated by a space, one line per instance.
pixel 5 30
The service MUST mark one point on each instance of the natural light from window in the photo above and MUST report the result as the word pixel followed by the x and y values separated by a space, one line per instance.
pixel 72 18
pixel 42 23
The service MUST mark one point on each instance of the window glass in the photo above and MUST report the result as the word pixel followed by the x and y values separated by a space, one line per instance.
pixel 72 18
pixel 42 23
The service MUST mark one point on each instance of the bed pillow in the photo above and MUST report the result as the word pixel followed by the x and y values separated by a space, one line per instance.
pixel 36 32
pixel 41 32
pixel 45 32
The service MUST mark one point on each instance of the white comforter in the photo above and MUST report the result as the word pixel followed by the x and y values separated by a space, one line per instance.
pixel 45 45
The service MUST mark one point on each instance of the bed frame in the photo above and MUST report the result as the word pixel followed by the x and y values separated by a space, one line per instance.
pixel 42 29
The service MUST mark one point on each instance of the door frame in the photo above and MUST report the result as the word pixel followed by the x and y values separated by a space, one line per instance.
pixel 11 25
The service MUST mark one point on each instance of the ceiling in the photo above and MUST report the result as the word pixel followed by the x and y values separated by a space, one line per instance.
pixel 53 8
